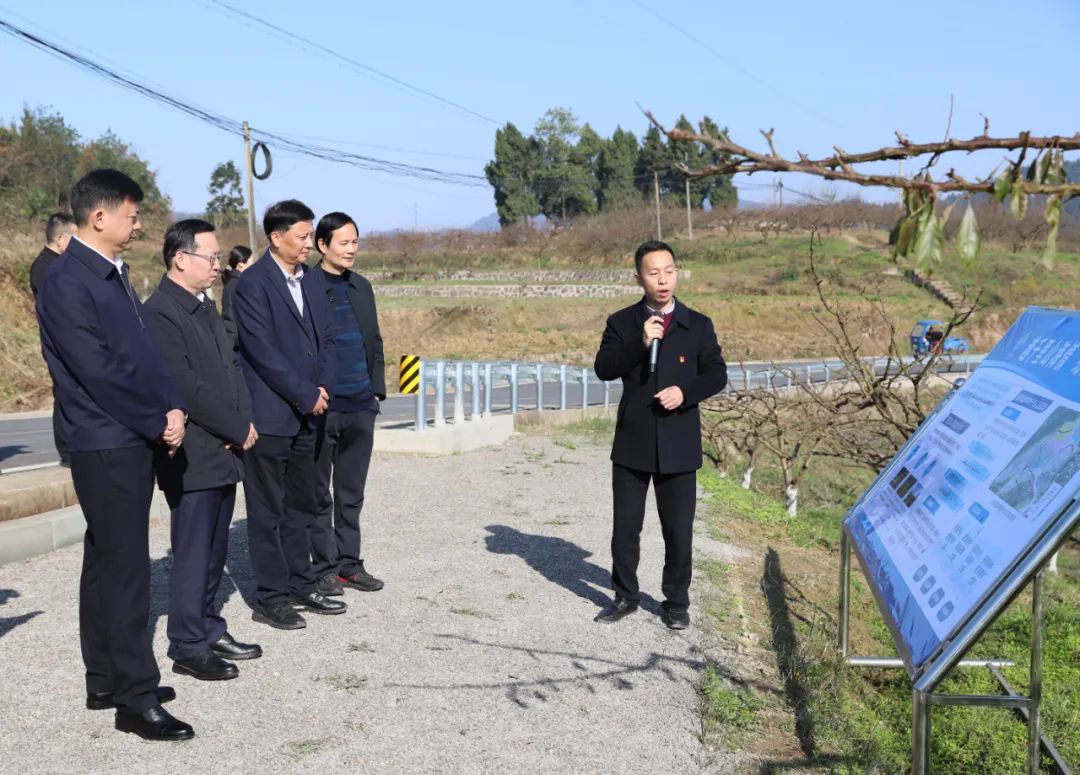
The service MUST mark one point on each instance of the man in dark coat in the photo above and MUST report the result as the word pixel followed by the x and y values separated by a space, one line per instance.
pixel 117 402
pixel 658 429
pixel 59 230
pixel 199 481
pixel 347 431
pixel 239 258
pixel 283 342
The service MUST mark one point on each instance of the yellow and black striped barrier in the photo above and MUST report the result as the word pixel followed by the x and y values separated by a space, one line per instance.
pixel 410 374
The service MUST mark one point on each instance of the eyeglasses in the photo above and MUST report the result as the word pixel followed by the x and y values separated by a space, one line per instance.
pixel 214 259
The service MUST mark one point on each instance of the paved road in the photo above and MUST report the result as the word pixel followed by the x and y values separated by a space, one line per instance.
pixel 29 441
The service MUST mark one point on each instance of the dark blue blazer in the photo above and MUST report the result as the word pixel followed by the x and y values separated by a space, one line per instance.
pixel 282 353
pixel 110 383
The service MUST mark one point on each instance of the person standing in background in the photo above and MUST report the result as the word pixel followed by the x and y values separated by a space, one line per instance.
pixel 239 258
pixel 59 230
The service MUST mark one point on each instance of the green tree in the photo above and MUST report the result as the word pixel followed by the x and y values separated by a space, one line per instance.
pixel 652 157
pixel 38 157
pixel 615 171
pixel 226 205
pixel 513 173
pixel 566 185
pixel 719 190
pixel 110 151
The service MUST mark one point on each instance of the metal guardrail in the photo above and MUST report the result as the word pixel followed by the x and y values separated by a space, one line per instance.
pixel 479 379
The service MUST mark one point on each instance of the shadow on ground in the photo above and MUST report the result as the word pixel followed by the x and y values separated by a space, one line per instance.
pixel 590 672
pixel 561 562
pixel 9 623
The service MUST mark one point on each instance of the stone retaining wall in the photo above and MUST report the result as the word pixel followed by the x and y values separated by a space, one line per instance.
pixel 540 276
pixel 593 291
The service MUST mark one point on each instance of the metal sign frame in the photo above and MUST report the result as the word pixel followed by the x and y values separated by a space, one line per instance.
pixel 1027 566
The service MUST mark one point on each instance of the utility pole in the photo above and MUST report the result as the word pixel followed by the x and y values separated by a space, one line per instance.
pixel 780 191
pixel 689 220
pixel 656 195
pixel 249 165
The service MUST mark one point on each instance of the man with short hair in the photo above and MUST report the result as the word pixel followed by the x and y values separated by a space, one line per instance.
pixel 347 432
pixel 117 403
pixel 59 229
pixel 283 340
pixel 199 481
pixel 658 430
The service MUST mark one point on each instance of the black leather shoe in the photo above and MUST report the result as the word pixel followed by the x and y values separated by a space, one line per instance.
pixel 319 604
pixel 676 620
pixel 229 647
pixel 154 724
pixel 361 580
pixel 616 611
pixel 104 700
pixel 281 616
pixel 329 584
pixel 207 666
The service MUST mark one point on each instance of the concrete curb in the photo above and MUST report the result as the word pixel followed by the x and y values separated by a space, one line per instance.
pixel 28 537
pixel 450 439
pixel 33 492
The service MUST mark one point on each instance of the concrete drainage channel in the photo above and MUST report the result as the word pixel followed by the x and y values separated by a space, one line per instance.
pixel 460 406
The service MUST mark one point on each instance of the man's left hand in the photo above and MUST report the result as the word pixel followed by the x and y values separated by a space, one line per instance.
pixel 670 397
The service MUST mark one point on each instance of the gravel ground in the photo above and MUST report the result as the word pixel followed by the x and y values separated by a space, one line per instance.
pixel 480 655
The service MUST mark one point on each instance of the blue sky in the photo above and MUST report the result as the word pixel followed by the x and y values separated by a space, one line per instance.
pixel 825 73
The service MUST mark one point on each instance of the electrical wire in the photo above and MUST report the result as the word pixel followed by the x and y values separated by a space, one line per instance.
pixel 224 123
pixel 299 40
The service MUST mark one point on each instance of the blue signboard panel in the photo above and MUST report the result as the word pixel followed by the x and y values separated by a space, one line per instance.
pixel 976 486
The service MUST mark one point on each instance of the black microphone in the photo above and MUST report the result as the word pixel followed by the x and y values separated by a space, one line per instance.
pixel 654 353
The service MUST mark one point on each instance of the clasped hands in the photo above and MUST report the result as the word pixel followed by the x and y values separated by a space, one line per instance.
pixel 670 398
pixel 173 435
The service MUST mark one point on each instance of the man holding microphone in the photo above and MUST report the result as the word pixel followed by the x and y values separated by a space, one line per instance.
pixel 669 361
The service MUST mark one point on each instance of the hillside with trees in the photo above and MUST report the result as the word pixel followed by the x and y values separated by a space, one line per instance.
pixel 565 170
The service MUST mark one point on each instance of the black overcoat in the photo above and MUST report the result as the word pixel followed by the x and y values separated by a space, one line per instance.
pixel 647 436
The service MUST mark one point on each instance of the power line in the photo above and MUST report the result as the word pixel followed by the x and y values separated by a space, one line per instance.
pixel 233 126
pixel 293 38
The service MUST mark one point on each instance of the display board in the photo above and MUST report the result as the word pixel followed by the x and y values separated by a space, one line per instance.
pixel 975 488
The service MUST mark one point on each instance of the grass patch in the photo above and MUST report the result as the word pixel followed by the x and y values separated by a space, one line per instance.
pixel 363 647
pixel 725 711
pixel 471 612
pixel 347 682
pixel 301 749
pixel 838 719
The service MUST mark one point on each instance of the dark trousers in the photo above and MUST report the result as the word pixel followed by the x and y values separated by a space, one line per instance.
pixel 343 456
pixel 200 541
pixel 115 487
pixel 279 487
pixel 676 500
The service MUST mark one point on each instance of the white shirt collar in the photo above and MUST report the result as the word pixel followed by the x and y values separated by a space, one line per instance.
pixel 667 310
pixel 115 261
pixel 289 277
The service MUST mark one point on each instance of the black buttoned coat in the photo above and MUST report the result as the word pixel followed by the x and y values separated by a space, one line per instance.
pixel 206 369
pixel 647 436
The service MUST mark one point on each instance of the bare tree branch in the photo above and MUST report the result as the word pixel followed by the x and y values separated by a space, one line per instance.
pixel 841 166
